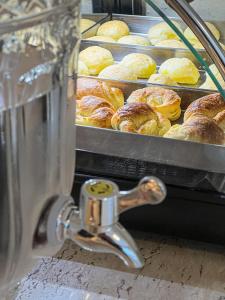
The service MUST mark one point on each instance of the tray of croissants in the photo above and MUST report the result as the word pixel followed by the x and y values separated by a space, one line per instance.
pixel 145 49
pixel 152 110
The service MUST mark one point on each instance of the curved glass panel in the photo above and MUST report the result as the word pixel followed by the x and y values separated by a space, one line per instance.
pixel 189 45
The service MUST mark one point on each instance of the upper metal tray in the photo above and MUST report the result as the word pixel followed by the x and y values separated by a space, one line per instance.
pixel 139 25
pixel 161 150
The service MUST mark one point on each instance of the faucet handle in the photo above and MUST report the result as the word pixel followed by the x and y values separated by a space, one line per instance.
pixel 101 202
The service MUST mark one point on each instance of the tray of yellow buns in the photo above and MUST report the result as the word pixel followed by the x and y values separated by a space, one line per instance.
pixel 156 123
pixel 147 65
pixel 145 31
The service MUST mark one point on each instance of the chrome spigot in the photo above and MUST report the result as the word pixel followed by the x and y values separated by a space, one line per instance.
pixel 95 225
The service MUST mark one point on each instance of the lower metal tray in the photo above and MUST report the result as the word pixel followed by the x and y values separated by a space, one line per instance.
pixel 150 148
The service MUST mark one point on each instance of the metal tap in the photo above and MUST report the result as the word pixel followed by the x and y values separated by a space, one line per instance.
pixel 95 225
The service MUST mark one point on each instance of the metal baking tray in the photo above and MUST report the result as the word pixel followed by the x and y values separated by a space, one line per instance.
pixel 158 54
pixel 150 148
pixel 139 25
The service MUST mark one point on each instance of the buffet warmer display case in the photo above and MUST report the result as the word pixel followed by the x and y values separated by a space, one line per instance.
pixel 193 172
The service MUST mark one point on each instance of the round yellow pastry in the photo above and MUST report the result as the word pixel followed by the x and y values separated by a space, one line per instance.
pixel 82 68
pixel 209 84
pixel 171 44
pixel 191 37
pixel 139 64
pixel 162 79
pixel 100 38
pixel 182 70
pixel 115 29
pixel 162 31
pixel 117 72
pixel 134 40
pixel 85 24
pixel 96 59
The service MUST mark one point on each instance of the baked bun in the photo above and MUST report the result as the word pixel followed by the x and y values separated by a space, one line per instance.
pixel 209 84
pixel 199 129
pixel 162 31
pixel 115 29
pixel 100 38
pixel 98 88
pixel 85 24
pixel 161 79
pixel 164 101
pixel 134 40
pixel 211 106
pixel 191 37
pixel 94 111
pixel 140 118
pixel 171 44
pixel 96 59
pixel 182 70
pixel 139 64
pixel 117 72
pixel 82 69
pixel 198 45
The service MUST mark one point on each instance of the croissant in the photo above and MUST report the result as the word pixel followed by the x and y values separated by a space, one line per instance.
pixel 98 88
pixel 94 111
pixel 197 128
pixel 140 118
pixel 212 106
pixel 164 101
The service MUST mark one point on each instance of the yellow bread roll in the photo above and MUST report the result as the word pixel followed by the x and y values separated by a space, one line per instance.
pixel 162 31
pixel 85 24
pixel 140 118
pixel 171 44
pixel 134 40
pixel 164 101
pixel 182 70
pixel 209 84
pixel 100 38
pixel 96 59
pixel 82 68
pixel 161 79
pixel 114 29
pixel 117 72
pixel 139 64
pixel 191 37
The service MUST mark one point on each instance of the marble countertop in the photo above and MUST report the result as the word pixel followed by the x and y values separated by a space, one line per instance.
pixel 174 269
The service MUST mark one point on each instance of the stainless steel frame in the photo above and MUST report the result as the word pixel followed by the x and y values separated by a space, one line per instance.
pixel 153 149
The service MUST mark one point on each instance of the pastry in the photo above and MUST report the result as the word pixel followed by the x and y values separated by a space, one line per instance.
pixel 82 69
pixel 161 79
pixel 100 38
pixel 134 40
pixel 139 64
pixel 96 59
pixel 171 44
pixel 94 111
pixel 209 106
pixel 162 31
pixel 182 70
pixel 199 129
pixel 98 88
pixel 209 84
pixel 140 118
pixel 117 72
pixel 86 24
pixel 164 101
pixel 114 29
pixel 191 37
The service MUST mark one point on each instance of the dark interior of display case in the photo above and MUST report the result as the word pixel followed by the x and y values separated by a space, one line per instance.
pixel 189 212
